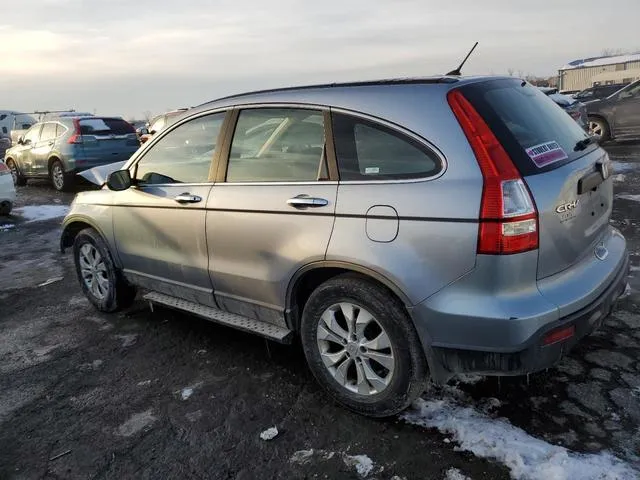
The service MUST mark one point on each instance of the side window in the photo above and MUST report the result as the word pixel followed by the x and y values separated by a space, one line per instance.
pixel 366 150
pixel 33 134
pixel 277 145
pixel 48 132
pixel 183 155
pixel 60 130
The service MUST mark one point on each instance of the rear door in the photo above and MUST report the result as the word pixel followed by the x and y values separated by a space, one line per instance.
pixel 567 176
pixel 107 140
pixel 626 112
pixel 272 211
pixel 42 148
pixel 159 223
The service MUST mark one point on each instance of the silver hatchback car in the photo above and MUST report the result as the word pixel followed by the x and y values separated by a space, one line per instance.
pixel 402 230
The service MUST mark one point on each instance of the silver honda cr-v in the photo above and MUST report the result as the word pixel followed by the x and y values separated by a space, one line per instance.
pixel 402 230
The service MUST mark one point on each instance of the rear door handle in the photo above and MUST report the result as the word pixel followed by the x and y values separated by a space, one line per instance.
pixel 305 201
pixel 187 198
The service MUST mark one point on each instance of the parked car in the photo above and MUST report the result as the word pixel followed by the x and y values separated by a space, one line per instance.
pixel 7 190
pixel 5 141
pixel 573 107
pixel 12 125
pixel 401 229
pixel 617 116
pixel 158 123
pixel 597 92
pixel 59 148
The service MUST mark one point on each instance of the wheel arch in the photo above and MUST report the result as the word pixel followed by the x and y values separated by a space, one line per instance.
pixel 52 158
pixel 73 225
pixel 309 277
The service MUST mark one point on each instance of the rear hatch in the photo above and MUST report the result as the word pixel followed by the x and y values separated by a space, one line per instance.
pixel 566 173
pixel 106 140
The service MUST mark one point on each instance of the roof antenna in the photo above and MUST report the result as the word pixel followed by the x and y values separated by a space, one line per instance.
pixel 456 71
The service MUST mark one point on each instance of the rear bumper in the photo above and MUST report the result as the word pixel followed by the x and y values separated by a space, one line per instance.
pixel 493 320
pixel 537 356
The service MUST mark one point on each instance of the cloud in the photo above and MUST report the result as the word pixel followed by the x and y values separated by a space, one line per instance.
pixel 59 49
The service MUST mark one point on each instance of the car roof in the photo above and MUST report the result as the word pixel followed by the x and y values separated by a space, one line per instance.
pixel 279 94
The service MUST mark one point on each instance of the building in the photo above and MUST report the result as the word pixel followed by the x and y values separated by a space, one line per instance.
pixel 587 72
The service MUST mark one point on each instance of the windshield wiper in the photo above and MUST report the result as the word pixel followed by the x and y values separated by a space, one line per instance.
pixel 582 144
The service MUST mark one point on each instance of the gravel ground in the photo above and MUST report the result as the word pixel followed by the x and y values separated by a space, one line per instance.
pixel 165 395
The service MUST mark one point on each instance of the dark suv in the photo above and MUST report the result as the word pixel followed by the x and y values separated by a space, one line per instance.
pixel 618 116
pixel 598 92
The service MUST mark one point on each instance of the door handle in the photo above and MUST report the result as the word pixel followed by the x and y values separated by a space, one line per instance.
pixel 305 201
pixel 187 198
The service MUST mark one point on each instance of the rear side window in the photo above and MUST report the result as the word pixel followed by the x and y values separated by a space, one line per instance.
pixel 105 126
pixel 536 133
pixel 366 150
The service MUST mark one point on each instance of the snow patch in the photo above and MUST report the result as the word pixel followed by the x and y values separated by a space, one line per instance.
pixel 269 433
pixel 49 281
pixel 619 178
pixel 136 423
pixel 362 463
pixel 455 474
pixel 633 198
pixel 186 393
pixel 38 213
pixel 527 457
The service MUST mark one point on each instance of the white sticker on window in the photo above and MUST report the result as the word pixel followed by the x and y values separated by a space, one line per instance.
pixel 546 153
pixel 371 170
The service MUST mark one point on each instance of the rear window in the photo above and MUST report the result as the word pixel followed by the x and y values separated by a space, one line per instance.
pixel 105 126
pixel 536 133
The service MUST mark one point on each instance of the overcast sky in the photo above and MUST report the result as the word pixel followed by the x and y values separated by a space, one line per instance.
pixel 125 57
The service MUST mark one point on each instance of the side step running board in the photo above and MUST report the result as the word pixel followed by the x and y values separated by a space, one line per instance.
pixel 264 329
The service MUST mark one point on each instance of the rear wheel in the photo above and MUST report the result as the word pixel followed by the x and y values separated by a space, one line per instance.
pixel 60 180
pixel 18 179
pixel 362 348
pixel 598 126
pixel 101 282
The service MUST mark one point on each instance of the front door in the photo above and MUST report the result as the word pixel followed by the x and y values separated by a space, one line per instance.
pixel 160 222
pixel 24 155
pixel 627 112
pixel 42 148
pixel 272 211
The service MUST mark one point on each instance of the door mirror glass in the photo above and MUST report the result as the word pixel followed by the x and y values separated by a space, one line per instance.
pixel 119 180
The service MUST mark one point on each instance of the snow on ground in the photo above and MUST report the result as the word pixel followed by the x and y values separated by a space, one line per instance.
pixel 634 198
pixel 455 474
pixel 269 433
pixel 527 457
pixel 38 213
pixel 362 463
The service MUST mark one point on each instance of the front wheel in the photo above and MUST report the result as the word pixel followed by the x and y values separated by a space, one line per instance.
pixel 101 282
pixel 598 126
pixel 61 181
pixel 18 179
pixel 362 347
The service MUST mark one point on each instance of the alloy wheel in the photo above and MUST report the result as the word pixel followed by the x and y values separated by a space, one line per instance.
pixel 94 271
pixel 58 176
pixel 595 128
pixel 355 349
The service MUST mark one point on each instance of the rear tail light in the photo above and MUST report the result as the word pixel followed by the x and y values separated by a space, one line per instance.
pixel 4 170
pixel 508 216
pixel 76 138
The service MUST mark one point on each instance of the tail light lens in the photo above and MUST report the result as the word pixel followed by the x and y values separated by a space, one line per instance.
pixel 4 170
pixel 76 138
pixel 508 216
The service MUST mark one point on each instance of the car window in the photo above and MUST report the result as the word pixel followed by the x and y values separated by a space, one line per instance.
pixel 369 151
pixel 60 129
pixel 105 126
pixel 585 94
pixel 184 154
pixel 277 145
pixel 33 134
pixel 48 132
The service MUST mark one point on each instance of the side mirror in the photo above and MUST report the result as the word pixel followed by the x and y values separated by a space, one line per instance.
pixel 152 132
pixel 143 131
pixel 119 180
pixel 21 140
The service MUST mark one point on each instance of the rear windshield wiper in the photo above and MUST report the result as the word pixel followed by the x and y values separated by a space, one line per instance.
pixel 582 144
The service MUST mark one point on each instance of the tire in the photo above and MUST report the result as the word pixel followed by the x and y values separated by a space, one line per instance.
pixel 18 179
pixel 61 181
pixel 397 382
pixel 5 209
pixel 107 290
pixel 599 126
